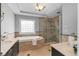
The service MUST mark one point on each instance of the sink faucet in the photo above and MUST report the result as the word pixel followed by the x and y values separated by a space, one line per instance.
pixel 4 36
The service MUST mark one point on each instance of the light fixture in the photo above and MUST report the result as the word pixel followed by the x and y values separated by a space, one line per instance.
pixel 39 7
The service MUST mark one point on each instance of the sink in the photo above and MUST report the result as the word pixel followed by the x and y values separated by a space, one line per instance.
pixel 5 43
pixel 6 40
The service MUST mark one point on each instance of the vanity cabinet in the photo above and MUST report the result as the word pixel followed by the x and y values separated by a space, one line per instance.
pixel 55 52
pixel 13 51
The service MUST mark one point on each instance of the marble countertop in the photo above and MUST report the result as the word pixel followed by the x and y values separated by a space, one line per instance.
pixel 64 48
pixel 7 44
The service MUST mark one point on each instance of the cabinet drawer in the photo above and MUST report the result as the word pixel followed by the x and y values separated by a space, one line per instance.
pixel 9 53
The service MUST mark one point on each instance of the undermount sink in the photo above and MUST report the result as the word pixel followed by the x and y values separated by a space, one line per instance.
pixel 5 43
pixel 6 40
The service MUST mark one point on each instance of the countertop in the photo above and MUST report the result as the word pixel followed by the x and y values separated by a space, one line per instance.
pixel 64 48
pixel 6 45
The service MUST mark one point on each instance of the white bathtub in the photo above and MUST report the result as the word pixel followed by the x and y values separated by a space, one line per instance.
pixel 26 43
pixel 34 39
pixel 29 38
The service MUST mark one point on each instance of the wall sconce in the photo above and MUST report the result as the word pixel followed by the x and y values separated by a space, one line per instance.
pixel 39 7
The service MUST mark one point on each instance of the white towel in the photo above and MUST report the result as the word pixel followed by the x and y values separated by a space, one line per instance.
pixel 71 40
pixel 34 41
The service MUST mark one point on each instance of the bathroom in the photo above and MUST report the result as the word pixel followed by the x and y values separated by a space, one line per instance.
pixel 35 31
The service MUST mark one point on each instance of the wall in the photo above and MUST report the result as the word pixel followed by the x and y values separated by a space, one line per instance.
pixel 0 29
pixel 7 25
pixel 69 18
pixel 17 23
pixel 78 29
pixel 43 27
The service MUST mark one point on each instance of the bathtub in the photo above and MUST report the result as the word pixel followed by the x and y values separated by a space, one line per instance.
pixel 29 38
pixel 26 43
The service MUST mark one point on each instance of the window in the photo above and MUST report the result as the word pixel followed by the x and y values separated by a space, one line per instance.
pixel 28 26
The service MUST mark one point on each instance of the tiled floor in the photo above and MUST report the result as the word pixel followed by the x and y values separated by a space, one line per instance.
pixel 42 51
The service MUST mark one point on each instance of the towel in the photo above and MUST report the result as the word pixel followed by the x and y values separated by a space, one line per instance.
pixel 71 40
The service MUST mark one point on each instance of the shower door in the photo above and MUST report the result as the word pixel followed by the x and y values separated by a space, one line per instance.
pixel 53 30
pixel 50 28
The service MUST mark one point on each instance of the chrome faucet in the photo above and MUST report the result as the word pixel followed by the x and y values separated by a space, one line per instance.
pixel 4 36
